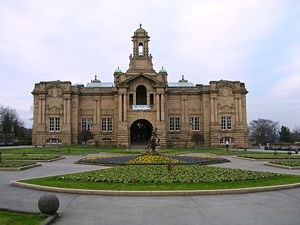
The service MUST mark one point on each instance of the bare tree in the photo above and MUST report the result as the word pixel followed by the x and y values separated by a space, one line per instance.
pixel 296 134
pixel 263 131
pixel 11 125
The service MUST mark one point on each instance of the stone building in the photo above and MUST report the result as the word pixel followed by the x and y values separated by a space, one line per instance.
pixel 124 113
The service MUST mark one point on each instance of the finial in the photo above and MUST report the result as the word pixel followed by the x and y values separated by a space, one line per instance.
pixel 140 25
pixel 183 80
pixel 95 80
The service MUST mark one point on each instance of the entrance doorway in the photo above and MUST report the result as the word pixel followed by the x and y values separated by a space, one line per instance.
pixel 140 132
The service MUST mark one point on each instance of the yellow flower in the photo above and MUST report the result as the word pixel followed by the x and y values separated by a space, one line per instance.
pixel 152 159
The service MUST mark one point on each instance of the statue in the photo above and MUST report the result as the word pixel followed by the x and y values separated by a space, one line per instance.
pixel 153 142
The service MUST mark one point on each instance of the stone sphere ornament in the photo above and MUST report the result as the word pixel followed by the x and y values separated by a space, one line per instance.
pixel 48 204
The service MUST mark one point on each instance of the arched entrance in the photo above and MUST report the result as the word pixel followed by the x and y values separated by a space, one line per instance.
pixel 140 132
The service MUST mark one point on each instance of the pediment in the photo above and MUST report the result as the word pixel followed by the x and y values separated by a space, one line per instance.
pixel 141 78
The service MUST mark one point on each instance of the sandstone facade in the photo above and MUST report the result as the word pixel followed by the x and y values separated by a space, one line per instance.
pixel 125 112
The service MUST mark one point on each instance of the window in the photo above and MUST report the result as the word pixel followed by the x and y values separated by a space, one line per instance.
pixel 86 123
pixel 195 123
pixel 54 124
pixel 151 99
pixel 141 49
pixel 141 95
pixel 130 99
pixel 174 124
pixel 106 124
pixel 226 123
pixel 53 141
pixel 229 140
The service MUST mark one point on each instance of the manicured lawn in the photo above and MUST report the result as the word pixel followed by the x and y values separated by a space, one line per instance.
pixel 14 218
pixel 291 163
pixel 29 156
pixel 191 177
pixel 15 164
pixel 78 150
pixel 65 150
pixel 262 155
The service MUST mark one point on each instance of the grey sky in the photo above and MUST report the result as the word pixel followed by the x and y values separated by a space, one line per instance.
pixel 253 41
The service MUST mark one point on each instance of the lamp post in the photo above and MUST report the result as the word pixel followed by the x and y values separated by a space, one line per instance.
pixel 90 122
pixel 190 123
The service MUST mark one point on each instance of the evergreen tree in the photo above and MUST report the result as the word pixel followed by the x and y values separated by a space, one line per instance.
pixel 285 134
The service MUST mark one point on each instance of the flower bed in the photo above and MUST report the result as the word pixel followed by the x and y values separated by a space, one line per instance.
pixel 29 156
pixel 15 164
pixel 149 159
pixel 163 174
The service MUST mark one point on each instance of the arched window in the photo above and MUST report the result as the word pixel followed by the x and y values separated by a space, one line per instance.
pixel 141 49
pixel 141 95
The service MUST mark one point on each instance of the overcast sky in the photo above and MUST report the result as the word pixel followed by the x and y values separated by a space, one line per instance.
pixel 253 41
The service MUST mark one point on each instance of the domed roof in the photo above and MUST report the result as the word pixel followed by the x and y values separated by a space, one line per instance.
pixel 162 70
pixel 118 70
pixel 141 31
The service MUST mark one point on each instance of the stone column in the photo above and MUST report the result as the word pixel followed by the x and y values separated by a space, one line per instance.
pixel 43 111
pixel 40 111
pixel 212 110
pixel 124 107
pixel 95 116
pixel 240 109
pixel 120 107
pixel 216 109
pixel 237 113
pixel 157 107
pixel 69 111
pixel 65 111
pixel 134 99
pixel 162 107
pixel 148 99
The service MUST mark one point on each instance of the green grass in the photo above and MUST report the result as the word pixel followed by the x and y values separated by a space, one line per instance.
pixel 16 218
pixel 212 179
pixel 64 150
pixel 291 163
pixel 38 157
pixel 15 164
pixel 263 155
pixel 52 182
pixel 78 150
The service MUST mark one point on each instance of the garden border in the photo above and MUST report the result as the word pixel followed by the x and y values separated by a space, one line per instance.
pixel 156 193
pixel 49 219
pixel 19 168
pixel 37 160
pixel 282 166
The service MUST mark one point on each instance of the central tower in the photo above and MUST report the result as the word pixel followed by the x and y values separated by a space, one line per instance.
pixel 141 59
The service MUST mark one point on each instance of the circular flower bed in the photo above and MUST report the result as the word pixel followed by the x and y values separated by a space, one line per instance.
pixel 149 159
pixel 163 174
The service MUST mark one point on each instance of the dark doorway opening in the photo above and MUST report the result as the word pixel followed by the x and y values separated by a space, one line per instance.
pixel 140 132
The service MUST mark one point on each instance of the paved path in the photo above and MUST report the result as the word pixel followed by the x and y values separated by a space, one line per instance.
pixel 264 208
